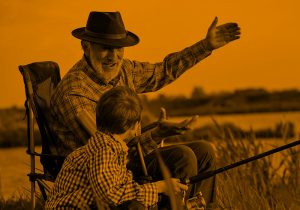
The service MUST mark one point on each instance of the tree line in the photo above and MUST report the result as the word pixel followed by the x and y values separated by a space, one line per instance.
pixel 239 101
pixel 13 120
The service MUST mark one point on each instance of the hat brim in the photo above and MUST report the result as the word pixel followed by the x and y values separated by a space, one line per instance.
pixel 130 40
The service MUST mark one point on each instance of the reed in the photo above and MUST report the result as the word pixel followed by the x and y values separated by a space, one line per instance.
pixel 19 202
pixel 269 183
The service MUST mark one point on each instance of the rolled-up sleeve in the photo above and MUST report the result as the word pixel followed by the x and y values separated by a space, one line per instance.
pixel 149 77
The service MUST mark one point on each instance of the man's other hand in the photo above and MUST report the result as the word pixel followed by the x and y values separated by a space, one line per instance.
pixel 177 187
pixel 166 128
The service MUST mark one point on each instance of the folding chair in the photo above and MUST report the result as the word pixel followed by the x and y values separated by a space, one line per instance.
pixel 40 79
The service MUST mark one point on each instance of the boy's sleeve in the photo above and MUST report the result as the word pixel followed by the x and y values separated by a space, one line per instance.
pixel 113 183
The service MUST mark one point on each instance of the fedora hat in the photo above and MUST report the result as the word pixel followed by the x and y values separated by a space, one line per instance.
pixel 106 28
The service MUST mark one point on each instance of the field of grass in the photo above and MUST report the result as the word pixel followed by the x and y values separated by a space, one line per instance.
pixel 20 202
pixel 268 184
pixel 13 128
pixel 271 183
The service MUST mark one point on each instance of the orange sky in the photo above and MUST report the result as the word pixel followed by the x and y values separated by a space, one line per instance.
pixel 265 56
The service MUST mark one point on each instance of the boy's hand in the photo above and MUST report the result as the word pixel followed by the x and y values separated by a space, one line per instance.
pixel 178 187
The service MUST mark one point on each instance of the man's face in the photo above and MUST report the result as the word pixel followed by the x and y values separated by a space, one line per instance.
pixel 106 60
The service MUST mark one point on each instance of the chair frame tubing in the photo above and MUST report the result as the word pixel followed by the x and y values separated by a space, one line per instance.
pixel 32 156
pixel 31 145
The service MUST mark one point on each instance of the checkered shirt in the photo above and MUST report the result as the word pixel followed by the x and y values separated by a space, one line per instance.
pixel 80 89
pixel 97 171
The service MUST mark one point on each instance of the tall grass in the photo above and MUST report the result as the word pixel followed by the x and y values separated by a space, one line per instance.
pixel 269 183
pixel 19 202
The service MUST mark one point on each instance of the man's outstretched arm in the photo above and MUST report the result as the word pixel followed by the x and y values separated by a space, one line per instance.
pixel 149 77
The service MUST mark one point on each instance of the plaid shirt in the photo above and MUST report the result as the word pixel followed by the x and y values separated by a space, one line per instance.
pixel 80 89
pixel 97 171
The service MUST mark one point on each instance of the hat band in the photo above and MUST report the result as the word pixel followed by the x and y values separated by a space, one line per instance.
pixel 106 36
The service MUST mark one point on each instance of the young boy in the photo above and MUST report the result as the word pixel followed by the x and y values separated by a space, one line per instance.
pixel 96 172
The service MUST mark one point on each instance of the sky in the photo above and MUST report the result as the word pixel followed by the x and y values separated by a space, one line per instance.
pixel 266 56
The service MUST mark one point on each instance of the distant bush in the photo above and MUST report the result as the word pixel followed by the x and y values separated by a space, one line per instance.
pixel 13 128
pixel 239 101
pixel 211 131
pixel 21 202
pixel 17 138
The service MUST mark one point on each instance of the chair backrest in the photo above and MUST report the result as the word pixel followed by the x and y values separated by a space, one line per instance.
pixel 41 79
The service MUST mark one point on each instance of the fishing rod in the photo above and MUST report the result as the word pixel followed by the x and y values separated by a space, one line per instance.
pixel 198 201
pixel 208 174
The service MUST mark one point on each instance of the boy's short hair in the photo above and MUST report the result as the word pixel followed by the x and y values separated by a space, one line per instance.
pixel 118 110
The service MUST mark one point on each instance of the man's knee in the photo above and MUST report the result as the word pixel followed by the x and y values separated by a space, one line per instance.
pixel 184 152
pixel 184 161
pixel 203 148
pixel 205 153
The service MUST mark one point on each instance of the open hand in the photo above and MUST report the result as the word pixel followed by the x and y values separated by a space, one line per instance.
pixel 218 36
pixel 166 128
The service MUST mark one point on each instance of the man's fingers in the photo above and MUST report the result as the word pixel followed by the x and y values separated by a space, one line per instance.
pixel 222 36
pixel 189 123
pixel 226 32
pixel 193 122
pixel 228 26
pixel 163 114
pixel 234 38
pixel 213 24
pixel 233 31
pixel 184 123
pixel 227 38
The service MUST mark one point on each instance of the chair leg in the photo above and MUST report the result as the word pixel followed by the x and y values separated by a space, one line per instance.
pixel 31 151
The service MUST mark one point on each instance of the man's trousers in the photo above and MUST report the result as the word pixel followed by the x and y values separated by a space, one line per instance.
pixel 184 161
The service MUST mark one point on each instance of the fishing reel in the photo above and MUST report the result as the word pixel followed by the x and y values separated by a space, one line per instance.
pixel 196 203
